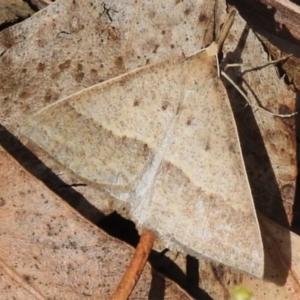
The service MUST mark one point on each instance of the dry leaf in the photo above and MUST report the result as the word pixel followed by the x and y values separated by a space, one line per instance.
pixel 268 143
pixel 282 269
pixel 49 251
pixel 14 10
pixel 39 65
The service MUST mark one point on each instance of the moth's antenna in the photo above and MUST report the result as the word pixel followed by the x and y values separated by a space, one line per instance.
pixel 214 48
pixel 222 35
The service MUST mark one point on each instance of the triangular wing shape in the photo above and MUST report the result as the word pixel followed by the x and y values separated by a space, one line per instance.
pixel 163 139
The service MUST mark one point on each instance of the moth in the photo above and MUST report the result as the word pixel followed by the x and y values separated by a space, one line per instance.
pixel 163 142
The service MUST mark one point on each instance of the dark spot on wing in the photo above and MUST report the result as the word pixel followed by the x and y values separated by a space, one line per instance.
pixel 136 102
pixel 202 17
pixel 187 11
pixel 145 150
pixel 155 48
pixel 152 14
pixel 164 105
pixel 207 146
pixel 231 147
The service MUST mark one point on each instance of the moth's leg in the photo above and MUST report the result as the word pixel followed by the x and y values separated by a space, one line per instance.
pixel 253 67
pixel 254 105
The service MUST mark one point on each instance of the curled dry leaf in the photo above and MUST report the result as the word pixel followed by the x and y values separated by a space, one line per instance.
pixel 273 17
pixel 40 4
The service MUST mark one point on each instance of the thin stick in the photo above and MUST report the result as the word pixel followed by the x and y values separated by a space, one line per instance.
pixel 133 273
